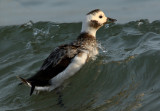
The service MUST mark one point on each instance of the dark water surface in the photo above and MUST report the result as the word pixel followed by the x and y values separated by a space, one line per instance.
pixel 125 76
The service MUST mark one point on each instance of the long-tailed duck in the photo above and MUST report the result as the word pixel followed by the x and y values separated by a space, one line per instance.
pixel 66 60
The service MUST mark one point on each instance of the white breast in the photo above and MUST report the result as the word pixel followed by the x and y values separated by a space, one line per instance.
pixel 93 52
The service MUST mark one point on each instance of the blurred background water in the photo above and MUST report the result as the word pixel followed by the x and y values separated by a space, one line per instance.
pixel 124 76
pixel 21 11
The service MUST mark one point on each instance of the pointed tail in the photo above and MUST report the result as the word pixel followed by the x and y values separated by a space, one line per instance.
pixel 24 81
pixel 30 84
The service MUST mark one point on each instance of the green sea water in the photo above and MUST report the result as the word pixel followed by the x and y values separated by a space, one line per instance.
pixel 125 76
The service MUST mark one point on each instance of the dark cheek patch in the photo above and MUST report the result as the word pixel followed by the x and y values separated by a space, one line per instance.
pixel 95 24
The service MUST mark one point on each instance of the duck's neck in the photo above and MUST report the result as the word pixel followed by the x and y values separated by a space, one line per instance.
pixel 87 29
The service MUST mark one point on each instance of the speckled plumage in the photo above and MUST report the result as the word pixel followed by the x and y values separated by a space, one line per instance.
pixel 66 60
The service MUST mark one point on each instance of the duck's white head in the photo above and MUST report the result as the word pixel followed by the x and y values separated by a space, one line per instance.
pixel 94 20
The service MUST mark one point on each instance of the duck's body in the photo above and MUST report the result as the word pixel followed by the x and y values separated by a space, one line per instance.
pixel 66 60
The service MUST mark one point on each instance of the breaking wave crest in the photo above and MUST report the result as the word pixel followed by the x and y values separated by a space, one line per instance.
pixel 124 76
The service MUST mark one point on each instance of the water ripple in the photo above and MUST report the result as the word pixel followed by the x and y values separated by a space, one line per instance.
pixel 123 77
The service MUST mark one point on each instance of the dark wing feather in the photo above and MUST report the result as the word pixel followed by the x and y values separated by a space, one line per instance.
pixel 56 62
pixel 54 58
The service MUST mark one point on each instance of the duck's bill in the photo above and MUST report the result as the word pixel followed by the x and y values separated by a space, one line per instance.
pixel 110 20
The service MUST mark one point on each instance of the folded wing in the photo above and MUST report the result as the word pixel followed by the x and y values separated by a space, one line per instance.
pixel 56 62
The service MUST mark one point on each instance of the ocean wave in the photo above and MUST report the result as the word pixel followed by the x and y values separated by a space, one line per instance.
pixel 124 76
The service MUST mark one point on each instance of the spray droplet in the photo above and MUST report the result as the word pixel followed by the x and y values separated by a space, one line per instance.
pixel 107 26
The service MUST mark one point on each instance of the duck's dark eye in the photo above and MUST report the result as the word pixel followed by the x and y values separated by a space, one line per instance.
pixel 100 16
